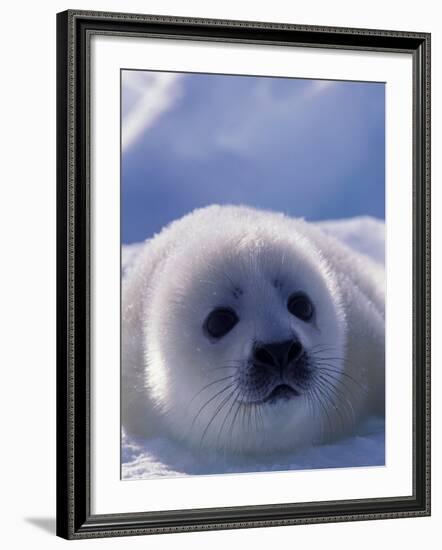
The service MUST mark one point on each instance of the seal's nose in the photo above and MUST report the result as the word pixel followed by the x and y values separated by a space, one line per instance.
pixel 277 354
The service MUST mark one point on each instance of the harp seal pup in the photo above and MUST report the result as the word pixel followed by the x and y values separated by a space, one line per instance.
pixel 247 331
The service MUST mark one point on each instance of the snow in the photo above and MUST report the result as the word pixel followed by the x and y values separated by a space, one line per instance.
pixel 162 457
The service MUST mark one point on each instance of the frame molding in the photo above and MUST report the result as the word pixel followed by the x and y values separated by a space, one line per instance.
pixel 74 29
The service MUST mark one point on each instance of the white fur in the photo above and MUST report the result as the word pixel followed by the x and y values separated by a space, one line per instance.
pixel 189 269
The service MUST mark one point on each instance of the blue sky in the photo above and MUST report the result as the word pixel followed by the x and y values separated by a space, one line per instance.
pixel 308 148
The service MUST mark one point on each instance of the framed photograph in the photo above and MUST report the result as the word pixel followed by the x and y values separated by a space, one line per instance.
pixel 243 274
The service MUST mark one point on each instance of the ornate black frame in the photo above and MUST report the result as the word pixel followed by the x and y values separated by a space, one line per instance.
pixel 74 29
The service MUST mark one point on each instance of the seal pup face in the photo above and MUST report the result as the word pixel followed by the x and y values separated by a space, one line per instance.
pixel 245 339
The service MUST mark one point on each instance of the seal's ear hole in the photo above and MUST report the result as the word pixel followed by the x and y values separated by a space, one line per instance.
pixel 220 321
pixel 300 305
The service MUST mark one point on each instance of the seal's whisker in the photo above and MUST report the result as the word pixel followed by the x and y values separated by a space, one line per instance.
pixel 238 392
pixel 220 407
pixel 227 366
pixel 244 419
pixel 234 418
pixel 322 348
pixel 247 411
pixel 320 359
pixel 259 421
pixel 323 407
pixel 307 397
pixel 340 395
pixel 249 417
pixel 209 385
pixel 334 405
pixel 326 366
pixel 255 416
pixel 337 373
pixel 209 401
pixel 316 413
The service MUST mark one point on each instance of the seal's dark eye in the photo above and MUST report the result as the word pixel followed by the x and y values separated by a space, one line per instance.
pixel 220 321
pixel 300 306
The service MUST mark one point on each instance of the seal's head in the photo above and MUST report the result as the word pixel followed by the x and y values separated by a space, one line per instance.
pixel 245 339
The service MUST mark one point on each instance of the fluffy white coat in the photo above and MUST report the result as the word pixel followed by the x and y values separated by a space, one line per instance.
pixel 174 376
